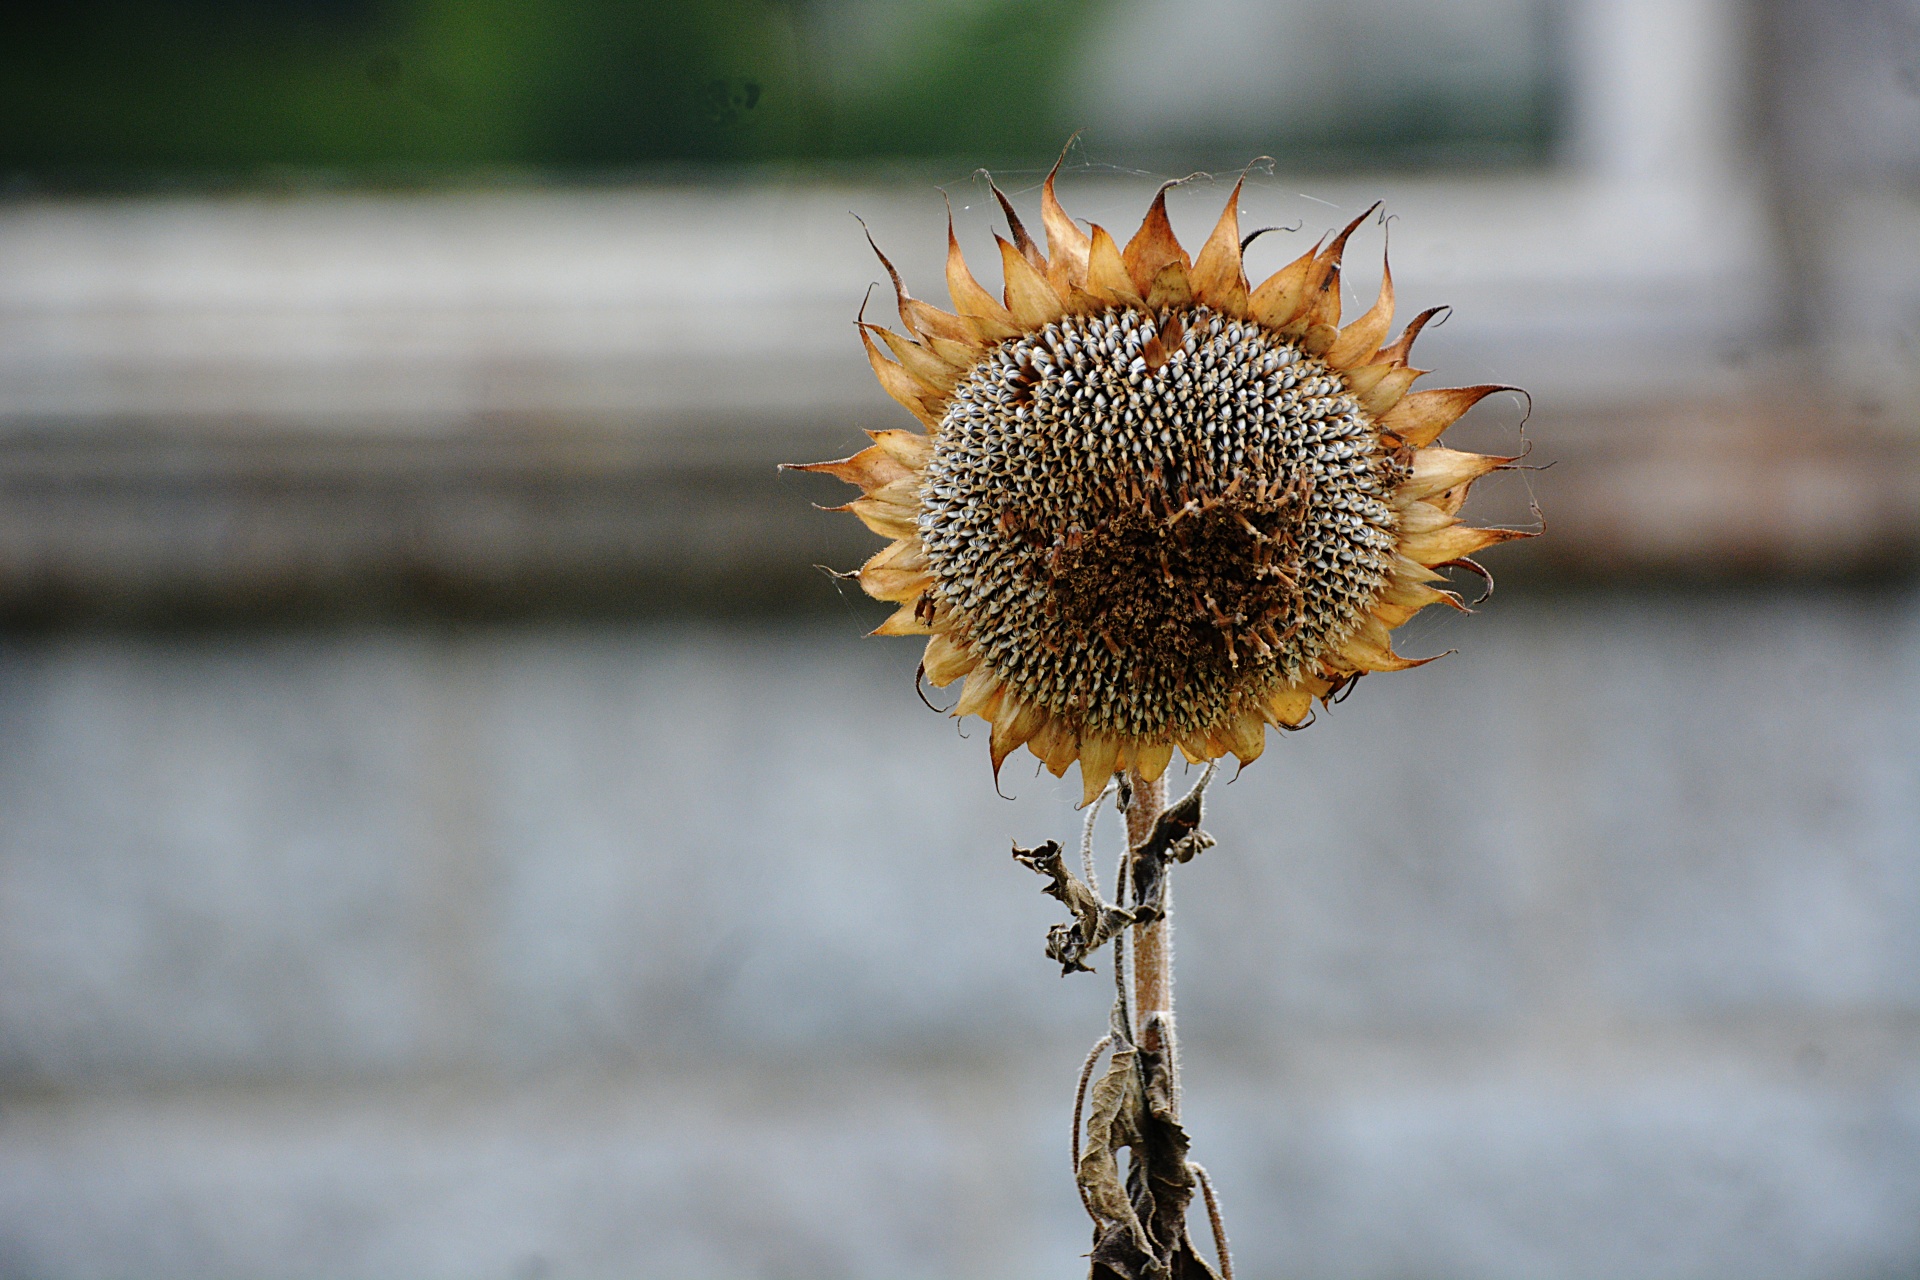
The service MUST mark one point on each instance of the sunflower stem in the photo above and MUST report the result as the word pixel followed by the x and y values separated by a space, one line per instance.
pixel 1153 943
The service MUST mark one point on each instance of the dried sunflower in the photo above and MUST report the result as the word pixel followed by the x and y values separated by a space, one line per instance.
pixel 1156 507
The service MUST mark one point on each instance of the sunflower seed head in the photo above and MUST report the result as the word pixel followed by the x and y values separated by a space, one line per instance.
pixel 1142 521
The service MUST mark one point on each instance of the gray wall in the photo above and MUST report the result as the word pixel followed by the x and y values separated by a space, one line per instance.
pixel 695 950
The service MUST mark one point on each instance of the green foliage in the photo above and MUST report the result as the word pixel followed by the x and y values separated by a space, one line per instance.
pixel 133 90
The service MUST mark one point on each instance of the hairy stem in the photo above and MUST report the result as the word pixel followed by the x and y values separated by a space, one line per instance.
pixel 1153 943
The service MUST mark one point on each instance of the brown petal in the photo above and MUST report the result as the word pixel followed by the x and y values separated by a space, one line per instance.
pixel 1323 291
pixel 1061 749
pixel 1363 380
pixel 1423 517
pixel 919 361
pixel 1436 470
pixel 1421 417
pixel 1015 722
pixel 1246 737
pixel 1281 297
pixel 1369 649
pixel 891 519
pixel 1418 595
pixel 1107 277
pixel 1406 569
pixel 904 621
pixel 1030 298
pixel 1318 338
pixel 1067 244
pixel 982 687
pixel 1153 246
pixel 947 660
pixel 871 468
pixel 990 320
pixel 1028 249
pixel 923 319
pixel 1289 705
pixel 1360 340
pixel 1171 288
pixel 1199 747
pixel 1387 392
pixel 1098 756
pixel 1150 759
pixel 909 447
pixel 903 386
pixel 1218 279
pixel 1401 350
pixel 1451 543
pixel 902 586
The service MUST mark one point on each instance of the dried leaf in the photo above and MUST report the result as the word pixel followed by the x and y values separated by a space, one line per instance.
pixel 1095 921
pixel 1176 837
pixel 1113 1122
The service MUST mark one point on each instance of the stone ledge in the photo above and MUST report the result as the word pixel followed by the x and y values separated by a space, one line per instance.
pixel 578 517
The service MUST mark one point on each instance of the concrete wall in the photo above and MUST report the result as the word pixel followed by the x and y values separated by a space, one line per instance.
pixel 695 950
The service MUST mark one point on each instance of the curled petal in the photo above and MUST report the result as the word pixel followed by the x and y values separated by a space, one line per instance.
pixel 904 621
pixel 1151 758
pixel 1455 541
pixel 872 468
pixel 1421 417
pixel 1153 247
pixel 1217 277
pixel 1030 298
pixel 1015 722
pixel 991 320
pixel 916 395
pixel 1359 341
pixel 1107 278
pixel 1067 244
pixel 1028 249
pixel 923 319
pixel 1246 737
pixel 1323 292
pixel 947 660
pixel 1281 298
pixel 1435 470
pixel 1402 350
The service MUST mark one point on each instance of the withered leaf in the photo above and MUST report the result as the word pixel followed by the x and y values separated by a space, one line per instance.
pixel 1113 1122
pixel 1176 837
pixel 1094 921
pixel 1150 1242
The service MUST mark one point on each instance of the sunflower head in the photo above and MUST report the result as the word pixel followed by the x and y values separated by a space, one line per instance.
pixel 1155 507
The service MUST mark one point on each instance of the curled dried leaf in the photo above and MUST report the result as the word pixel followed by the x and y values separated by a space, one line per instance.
pixel 1095 920
pixel 1176 837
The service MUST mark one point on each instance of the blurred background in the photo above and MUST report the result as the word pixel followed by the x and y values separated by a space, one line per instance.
pixel 450 827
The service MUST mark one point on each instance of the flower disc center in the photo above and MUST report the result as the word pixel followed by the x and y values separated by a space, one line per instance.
pixel 1140 521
